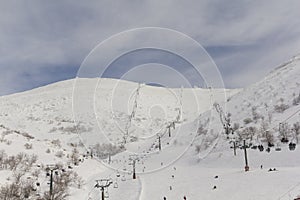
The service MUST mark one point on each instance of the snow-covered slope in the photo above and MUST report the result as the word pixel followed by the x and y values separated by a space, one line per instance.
pixel 47 112
pixel 51 121
pixel 260 107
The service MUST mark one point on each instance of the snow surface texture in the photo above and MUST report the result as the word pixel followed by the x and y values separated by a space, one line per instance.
pixel 192 163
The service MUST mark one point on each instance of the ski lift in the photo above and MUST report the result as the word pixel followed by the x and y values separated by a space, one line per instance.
pixel 277 149
pixel 116 185
pixel 284 140
pixel 270 144
pixel 106 194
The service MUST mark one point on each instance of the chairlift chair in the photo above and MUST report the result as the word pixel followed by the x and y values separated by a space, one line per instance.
pixel 123 178
pixel 284 140
pixel 254 147
pixel 106 194
pixel 116 185
pixel 270 144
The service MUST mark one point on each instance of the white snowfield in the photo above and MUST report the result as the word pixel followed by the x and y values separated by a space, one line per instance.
pixel 198 165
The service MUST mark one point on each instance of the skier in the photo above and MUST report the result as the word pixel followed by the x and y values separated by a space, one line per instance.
pixel 165 198
pixel 184 197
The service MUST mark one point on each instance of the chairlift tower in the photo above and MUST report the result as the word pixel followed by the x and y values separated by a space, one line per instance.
pixel 133 158
pixel 51 168
pixel 246 158
pixel 169 130
pixel 159 135
pixel 103 184
pixel 159 143
pixel 234 147
pixel 225 120
pixel 234 142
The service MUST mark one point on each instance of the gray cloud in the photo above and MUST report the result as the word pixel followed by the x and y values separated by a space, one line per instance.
pixel 243 37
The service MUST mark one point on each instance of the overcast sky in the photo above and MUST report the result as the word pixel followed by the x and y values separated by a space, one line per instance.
pixel 46 41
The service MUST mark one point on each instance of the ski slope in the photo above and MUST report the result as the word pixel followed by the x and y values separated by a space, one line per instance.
pixel 189 163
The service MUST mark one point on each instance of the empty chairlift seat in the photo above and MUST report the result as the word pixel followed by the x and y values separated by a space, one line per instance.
pixel 284 140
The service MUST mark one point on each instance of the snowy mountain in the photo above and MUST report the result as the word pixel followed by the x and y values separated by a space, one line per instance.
pixel 209 169
pixel 174 136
